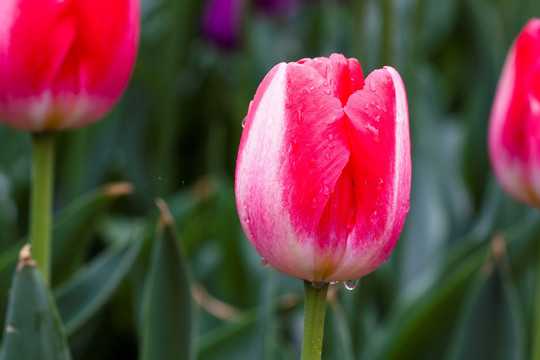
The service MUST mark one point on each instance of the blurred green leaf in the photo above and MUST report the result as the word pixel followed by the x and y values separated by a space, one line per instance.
pixel 491 326
pixel 86 291
pixel 70 235
pixel 33 329
pixel 167 319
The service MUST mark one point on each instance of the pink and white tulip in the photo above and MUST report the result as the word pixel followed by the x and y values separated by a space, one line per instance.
pixel 514 130
pixel 64 63
pixel 324 170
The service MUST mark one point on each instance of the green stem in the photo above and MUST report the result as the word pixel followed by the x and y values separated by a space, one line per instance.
pixel 41 202
pixel 314 312
pixel 536 326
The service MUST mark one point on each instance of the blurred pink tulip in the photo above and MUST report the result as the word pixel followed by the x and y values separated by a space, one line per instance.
pixel 324 171
pixel 64 63
pixel 514 131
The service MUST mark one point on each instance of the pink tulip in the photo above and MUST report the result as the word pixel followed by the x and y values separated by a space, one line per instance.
pixel 514 131
pixel 323 171
pixel 64 63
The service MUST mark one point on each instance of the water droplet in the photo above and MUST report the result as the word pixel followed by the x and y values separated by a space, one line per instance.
pixel 325 83
pixel 374 132
pixel 373 216
pixel 334 282
pixel 328 156
pixel 327 91
pixel 243 122
pixel 264 263
pixel 366 106
pixel 377 118
pixel 407 206
pixel 314 203
pixel 351 284
pixel 380 184
pixel 317 284
pixel 330 137
pixel 372 86
pixel 326 190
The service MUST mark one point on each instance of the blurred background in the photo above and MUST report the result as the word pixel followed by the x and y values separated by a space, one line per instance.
pixel 460 283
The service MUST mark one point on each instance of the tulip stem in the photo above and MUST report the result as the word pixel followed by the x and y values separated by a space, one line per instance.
pixel 41 201
pixel 536 327
pixel 314 313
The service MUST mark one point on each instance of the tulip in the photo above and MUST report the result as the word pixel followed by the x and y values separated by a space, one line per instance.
pixel 323 171
pixel 514 129
pixel 64 63
pixel 221 22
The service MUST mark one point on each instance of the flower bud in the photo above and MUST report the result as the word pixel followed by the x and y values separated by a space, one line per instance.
pixel 324 171
pixel 64 63
pixel 514 128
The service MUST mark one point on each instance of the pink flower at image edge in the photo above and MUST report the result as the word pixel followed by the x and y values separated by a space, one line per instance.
pixel 514 129
pixel 64 64
pixel 323 170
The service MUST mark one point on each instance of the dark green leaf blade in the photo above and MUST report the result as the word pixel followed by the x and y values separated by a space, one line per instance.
pixel 490 325
pixel 167 331
pixel 33 330
pixel 85 293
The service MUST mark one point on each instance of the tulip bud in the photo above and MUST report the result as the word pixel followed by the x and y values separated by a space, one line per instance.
pixel 323 171
pixel 64 63
pixel 514 129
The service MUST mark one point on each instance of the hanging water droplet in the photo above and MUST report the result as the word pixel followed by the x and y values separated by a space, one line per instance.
pixel 243 122
pixel 264 263
pixel 372 86
pixel 351 284
pixel 317 284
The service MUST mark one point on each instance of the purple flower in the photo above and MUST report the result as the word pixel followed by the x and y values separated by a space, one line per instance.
pixel 222 21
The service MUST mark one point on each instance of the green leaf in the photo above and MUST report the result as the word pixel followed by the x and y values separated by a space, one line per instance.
pixel 70 236
pixel 167 331
pixel 89 289
pixel 491 315
pixel 33 330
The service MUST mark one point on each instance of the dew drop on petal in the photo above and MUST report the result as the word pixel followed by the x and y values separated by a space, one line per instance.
pixel 351 284
pixel 330 137
pixel 327 91
pixel 380 184
pixel 243 122
pixel 326 190
pixel 372 86
pixel 373 216
pixel 264 263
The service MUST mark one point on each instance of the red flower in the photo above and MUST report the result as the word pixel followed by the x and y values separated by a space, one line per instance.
pixel 323 171
pixel 514 131
pixel 64 63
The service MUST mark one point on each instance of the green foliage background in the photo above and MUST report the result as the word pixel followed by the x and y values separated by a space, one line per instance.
pixel 459 285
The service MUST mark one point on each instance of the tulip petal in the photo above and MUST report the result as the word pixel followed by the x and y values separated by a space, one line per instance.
pixel 380 158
